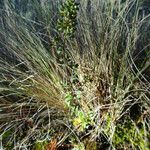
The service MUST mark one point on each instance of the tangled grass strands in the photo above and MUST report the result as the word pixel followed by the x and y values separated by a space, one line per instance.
pixel 74 74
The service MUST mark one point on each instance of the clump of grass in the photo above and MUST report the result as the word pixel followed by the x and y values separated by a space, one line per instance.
pixel 31 89
pixel 70 73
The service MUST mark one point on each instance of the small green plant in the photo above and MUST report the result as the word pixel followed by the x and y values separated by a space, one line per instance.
pixel 82 119
pixel 68 18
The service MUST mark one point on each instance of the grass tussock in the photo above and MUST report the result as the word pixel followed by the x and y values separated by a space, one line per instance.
pixel 74 75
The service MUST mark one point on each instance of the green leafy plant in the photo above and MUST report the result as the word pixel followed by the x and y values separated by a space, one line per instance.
pixel 82 120
pixel 68 18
